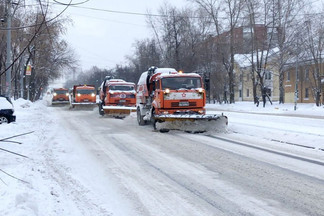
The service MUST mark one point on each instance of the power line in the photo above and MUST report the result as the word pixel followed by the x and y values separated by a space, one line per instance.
pixel 162 15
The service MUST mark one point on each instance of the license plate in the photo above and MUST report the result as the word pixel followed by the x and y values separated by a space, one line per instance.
pixel 185 103
pixel 85 100
pixel 122 101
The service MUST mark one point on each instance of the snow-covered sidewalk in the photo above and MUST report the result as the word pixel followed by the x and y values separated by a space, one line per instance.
pixel 51 179
pixel 274 109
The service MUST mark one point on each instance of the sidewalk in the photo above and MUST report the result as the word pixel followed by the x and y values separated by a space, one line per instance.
pixel 303 110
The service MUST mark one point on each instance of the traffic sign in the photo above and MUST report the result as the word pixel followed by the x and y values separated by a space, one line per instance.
pixel 28 70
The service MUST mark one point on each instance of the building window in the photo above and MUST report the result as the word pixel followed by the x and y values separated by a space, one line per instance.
pixel 241 77
pixel 306 93
pixel 247 92
pixel 288 75
pixel 268 75
pixel 240 93
pixel 248 77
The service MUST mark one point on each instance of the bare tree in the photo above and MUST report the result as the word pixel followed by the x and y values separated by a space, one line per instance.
pixel 313 44
pixel 224 16
pixel 36 38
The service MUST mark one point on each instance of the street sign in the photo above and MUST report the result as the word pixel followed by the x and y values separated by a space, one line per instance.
pixel 28 70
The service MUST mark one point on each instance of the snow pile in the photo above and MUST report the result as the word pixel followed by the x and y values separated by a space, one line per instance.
pixel 4 104
pixel 51 175
pixel 22 185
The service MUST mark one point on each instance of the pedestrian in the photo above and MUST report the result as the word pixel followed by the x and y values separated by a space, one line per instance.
pixel 257 101
pixel 265 95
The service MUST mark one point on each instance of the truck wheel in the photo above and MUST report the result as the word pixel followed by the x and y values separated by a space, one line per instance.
pixel 140 118
pixel 3 119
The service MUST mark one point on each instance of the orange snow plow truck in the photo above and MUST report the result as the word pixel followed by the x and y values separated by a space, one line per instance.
pixel 175 101
pixel 60 96
pixel 117 98
pixel 83 95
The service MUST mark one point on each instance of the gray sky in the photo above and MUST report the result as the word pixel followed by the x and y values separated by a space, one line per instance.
pixel 103 38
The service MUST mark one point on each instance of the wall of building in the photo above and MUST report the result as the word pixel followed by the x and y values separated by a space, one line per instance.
pixel 305 84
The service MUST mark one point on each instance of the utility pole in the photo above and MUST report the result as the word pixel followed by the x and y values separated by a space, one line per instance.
pixel 8 59
pixel 296 76
pixel 22 74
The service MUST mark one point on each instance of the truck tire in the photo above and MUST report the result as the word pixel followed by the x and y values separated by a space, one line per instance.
pixel 140 118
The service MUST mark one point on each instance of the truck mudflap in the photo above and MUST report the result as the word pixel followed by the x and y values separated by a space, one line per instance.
pixel 118 111
pixel 191 123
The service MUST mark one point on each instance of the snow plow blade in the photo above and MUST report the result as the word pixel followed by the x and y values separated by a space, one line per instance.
pixel 83 105
pixel 60 102
pixel 191 123
pixel 118 111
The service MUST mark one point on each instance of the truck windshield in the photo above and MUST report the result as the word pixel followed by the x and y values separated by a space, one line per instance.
pixel 60 91
pixel 176 83
pixel 85 91
pixel 121 88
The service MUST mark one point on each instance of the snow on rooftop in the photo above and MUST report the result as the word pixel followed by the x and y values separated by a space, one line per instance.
pixel 165 70
pixel 245 60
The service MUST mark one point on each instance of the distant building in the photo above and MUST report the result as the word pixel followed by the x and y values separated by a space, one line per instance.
pixel 304 81
pixel 243 78
pixel 243 38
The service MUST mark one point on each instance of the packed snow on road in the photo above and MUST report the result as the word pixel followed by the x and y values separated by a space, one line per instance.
pixel 56 161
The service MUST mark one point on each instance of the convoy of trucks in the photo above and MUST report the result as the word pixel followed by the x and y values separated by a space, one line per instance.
pixel 164 97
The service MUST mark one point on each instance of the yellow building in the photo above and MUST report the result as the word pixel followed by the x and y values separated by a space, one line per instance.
pixel 243 79
pixel 306 80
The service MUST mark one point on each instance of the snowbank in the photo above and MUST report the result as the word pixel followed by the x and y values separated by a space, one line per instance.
pixel 51 175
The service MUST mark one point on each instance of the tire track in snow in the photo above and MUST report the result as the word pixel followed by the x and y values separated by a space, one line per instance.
pixel 212 196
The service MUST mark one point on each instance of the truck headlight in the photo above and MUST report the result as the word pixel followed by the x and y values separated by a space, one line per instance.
pixel 200 90
pixel 93 94
pixel 78 94
pixel 54 93
pixel 167 91
pixel 67 94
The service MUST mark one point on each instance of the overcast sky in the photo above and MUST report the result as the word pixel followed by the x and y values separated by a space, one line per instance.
pixel 103 39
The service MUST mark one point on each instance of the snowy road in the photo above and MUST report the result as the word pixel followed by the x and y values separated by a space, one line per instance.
pixel 252 170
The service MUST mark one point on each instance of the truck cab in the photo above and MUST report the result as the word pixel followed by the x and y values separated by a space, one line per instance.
pixel 83 95
pixel 60 95
pixel 117 92
pixel 117 98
